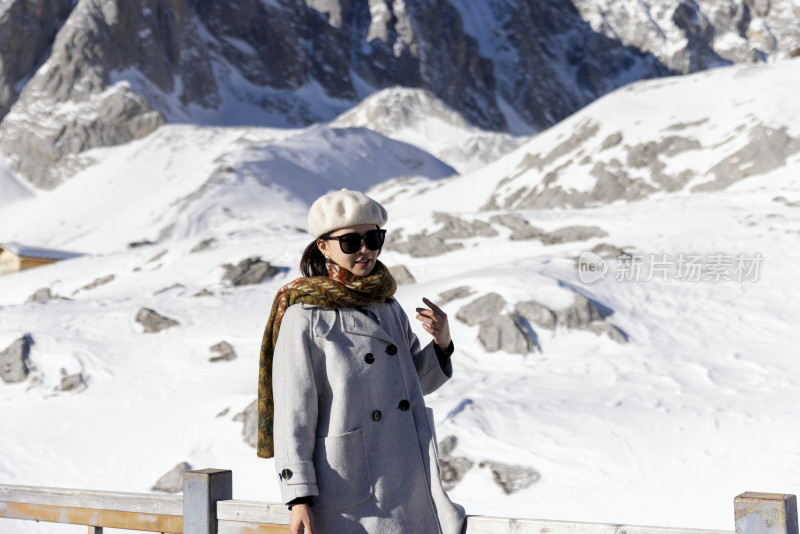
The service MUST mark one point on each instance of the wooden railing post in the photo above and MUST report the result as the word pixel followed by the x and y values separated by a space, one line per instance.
pixel 765 513
pixel 201 491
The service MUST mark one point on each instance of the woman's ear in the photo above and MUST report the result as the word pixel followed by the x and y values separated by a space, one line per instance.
pixel 322 245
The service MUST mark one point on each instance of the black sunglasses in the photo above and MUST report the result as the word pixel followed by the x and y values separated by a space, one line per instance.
pixel 351 243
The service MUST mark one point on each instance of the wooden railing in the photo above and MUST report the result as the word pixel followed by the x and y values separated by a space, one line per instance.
pixel 207 507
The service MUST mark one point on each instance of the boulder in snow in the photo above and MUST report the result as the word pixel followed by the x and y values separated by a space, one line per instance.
pixel 71 382
pixel 153 321
pixel 402 275
pixel 423 246
pixel 42 295
pixel 507 333
pixel 455 293
pixel 453 227
pixel 14 360
pixel 225 352
pixel 512 478
pixel 250 419
pixel 249 271
pixel 482 308
pixel 536 313
pixel 579 314
pixel 172 481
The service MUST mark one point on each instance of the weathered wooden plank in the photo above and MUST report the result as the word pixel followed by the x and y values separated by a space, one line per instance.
pixel 260 512
pixel 765 513
pixel 243 527
pixel 101 500
pixel 91 517
pixel 502 525
pixel 253 512
pixel 201 491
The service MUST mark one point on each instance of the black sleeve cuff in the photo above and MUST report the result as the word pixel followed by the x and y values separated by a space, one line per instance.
pixel 444 354
pixel 309 500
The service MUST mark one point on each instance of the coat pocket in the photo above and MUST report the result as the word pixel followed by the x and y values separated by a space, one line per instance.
pixel 343 476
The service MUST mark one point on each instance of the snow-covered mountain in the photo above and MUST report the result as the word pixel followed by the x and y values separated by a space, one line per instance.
pixel 690 134
pixel 650 395
pixel 82 74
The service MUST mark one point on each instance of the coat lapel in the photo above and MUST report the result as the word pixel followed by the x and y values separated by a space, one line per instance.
pixel 361 324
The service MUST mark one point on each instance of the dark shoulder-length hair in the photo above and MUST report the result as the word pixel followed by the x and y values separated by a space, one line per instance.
pixel 313 263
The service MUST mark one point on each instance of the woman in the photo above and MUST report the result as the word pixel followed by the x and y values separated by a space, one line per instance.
pixel 341 385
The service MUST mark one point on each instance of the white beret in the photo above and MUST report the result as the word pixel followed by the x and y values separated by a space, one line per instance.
pixel 340 209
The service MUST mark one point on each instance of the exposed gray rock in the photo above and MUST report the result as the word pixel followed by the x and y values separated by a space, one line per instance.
pixel 767 150
pixel 536 313
pixel 203 293
pixel 785 201
pixel 224 350
pixel 611 141
pixel 402 275
pixel 15 360
pixel 153 321
pixel 137 244
pixel 27 29
pixel 572 233
pixel 203 245
pixel 608 329
pixel 521 229
pixel 579 314
pixel 455 228
pixel 447 445
pixel 172 481
pixel 453 469
pixel 250 419
pixel 42 295
pixel 512 478
pixel 71 382
pixel 608 251
pixel 249 271
pixel 455 293
pixel 507 333
pixel 482 308
pixel 703 33
pixel 423 246
pixel 97 282
pixel 169 288
pixel 158 256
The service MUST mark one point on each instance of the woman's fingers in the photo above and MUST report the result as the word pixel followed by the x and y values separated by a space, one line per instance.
pixel 433 306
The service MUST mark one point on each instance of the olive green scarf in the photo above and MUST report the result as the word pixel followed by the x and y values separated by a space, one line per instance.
pixel 340 289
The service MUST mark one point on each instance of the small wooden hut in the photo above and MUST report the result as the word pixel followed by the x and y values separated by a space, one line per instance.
pixel 16 257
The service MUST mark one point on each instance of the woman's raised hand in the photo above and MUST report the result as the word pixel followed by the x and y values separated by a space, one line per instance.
pixel 300 520
pixel 434 321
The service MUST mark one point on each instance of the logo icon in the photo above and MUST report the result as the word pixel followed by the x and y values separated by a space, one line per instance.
pixel 591 268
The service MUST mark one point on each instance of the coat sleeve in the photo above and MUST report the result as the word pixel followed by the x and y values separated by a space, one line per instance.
pixel 295 394
pixel 431 374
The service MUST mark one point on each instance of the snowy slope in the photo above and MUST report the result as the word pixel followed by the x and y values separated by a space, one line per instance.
pixel 11 189
pixel 418 118
pixel 191 181
pixel 689 134
pixel 698 406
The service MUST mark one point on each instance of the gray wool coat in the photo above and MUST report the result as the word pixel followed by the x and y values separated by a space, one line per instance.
pixel 351 427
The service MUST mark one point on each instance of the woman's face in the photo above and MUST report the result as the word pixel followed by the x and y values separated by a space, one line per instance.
pixel 361 262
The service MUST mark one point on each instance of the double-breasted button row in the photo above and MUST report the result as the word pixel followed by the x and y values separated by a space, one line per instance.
pixel 369 358
pixel 286 474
